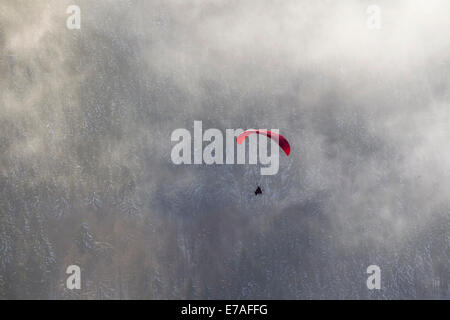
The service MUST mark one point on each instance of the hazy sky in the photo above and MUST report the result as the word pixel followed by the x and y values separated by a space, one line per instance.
pixel 366 110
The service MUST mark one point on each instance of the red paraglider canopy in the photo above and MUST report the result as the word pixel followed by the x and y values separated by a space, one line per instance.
pixel 282 142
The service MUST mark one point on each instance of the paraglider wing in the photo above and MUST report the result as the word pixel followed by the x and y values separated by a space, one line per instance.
pixel 282 142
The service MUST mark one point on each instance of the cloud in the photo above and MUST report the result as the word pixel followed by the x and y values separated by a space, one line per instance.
pixel 365 111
